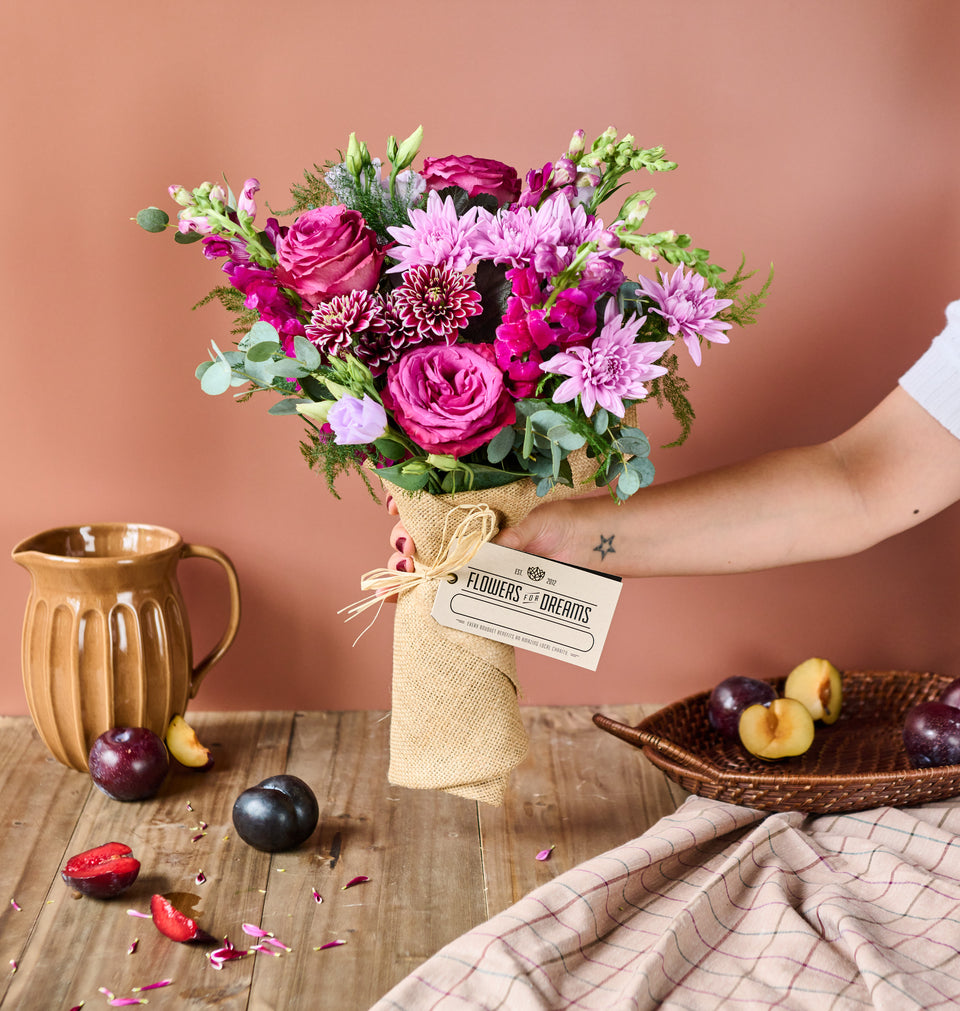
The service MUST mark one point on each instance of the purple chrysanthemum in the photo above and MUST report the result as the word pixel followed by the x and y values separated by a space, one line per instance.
pixel 336 325
pixel 435 302
pixel 611 369
pixel 688 309
pixel 435 236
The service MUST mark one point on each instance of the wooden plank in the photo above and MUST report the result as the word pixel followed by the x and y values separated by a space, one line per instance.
pixel 41 801
pixel 579 790
pixel 419 849
pixel 81 945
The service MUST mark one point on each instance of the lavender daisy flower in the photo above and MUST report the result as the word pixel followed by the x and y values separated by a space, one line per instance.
pixel 435 236
pixel 436 302
pixel 610 370
pixel 514 234
pixel 688 309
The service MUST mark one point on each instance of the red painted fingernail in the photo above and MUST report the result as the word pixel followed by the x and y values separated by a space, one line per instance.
pixel 402 565
pixel 389 501
pixel 399 544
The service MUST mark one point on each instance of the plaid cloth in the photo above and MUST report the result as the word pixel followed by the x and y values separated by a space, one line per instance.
pixel 719 906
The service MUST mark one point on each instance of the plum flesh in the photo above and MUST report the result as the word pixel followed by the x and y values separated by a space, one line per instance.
pixel 102 872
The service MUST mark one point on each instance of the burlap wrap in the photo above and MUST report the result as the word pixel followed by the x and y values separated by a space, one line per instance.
pixel 455 721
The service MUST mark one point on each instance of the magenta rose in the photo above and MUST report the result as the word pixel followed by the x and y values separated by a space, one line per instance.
pixel 449 399
pixel 475 175
pixel 329 251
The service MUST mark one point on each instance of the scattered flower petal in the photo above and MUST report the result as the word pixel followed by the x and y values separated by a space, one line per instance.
pixel 133 946
pixel 264 949
pixel 76 1007
pixel 152 986
pixel 545 854
pixel 198 837
pixel 253 930
pixel 228 953
pixel 358 880
pixel 329 944
pixel 13 965
pixel 143 916
pixel 189 806
pixel 200 878
pixel 276 943
pixel 16 905
pixel 317 897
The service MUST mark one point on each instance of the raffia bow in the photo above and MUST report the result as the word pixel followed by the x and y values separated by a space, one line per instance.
pixel 458 547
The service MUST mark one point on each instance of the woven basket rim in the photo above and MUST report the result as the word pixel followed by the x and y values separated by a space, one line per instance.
pixel 779 788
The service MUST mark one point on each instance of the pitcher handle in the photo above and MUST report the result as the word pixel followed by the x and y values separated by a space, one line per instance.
pixel 202 668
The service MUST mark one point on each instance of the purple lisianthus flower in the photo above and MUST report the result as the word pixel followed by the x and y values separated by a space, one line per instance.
pixel 357 422
pixel 688 309
pixel 612 369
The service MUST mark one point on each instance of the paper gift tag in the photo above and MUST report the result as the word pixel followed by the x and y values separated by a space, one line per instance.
pixel 532 603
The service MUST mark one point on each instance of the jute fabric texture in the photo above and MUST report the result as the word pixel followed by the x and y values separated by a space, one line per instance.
pixel 455 717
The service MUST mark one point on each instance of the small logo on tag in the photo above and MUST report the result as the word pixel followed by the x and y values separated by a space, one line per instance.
pixel 535 573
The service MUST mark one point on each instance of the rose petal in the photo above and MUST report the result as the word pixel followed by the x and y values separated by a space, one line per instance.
pixel 358 880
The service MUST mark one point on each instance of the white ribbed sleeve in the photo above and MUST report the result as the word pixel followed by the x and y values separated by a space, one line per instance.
pixel 934 379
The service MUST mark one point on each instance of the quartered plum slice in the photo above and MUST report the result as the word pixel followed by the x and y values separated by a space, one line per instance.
pixel 174 924
pixel 102 872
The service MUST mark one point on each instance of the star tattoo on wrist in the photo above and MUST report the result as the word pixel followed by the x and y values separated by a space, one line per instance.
pixel 605 547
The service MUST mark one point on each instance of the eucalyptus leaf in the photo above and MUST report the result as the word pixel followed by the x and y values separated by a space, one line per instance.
pixel 546 419
pixel 186 238
pixel 286 406
pixel 263 351
pixel 500 446
pixel 152 219
pixel 628 483
pixel 285 368
pixel 545 486
pixel 233 358
pixel 643 467
pixel 260 331
pixel 259 373
pixel 307 353
pixel 634 445
pixel 201 368
pixel 565 439
pixel 601 421
pixel 216 379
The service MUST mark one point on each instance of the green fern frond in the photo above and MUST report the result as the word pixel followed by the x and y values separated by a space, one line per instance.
pixel 672 389
pixel 232 300
pixel 331 460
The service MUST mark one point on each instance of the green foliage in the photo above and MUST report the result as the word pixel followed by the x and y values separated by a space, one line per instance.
pixel 672 389
pixel 744 310
pixel 327 458
pixel 152 219
pixel 313 192
pixel 232 300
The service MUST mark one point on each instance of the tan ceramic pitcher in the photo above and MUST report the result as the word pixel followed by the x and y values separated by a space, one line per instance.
pixel 106 640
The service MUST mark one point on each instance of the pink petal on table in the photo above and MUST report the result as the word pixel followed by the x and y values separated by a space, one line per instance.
pixel 16 905
pixel 317 897
pixel 200 878
pixel 276 943
pixel 133 946
pixel 329 944
pixel 13 965
pixel 253 930
pixel 545 854
pixel 152 986
pixel 143 916
pixel 358 880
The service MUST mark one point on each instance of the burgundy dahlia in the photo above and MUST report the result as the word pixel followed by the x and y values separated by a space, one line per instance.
pixel 436 302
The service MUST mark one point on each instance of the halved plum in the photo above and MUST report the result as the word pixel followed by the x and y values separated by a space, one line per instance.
pixel 174 924
pixel 103 872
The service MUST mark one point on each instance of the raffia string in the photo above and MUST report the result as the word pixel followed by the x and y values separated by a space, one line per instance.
pixel 457 549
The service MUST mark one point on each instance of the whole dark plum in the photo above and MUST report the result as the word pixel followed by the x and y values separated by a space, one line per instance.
pixel 128 763
pixel 277 814
pixel 951 694
pixel 931 734
pixel 729 699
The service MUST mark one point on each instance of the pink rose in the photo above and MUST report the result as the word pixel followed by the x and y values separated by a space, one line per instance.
pixel 475 175
pixel 449 399
pixel 329 251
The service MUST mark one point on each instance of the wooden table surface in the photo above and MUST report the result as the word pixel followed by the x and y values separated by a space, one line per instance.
pixel 437 864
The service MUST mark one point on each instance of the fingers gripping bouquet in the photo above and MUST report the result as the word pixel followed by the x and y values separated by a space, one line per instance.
pixel 472 340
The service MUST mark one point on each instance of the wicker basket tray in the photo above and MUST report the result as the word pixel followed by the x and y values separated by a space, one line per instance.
pixel 859 762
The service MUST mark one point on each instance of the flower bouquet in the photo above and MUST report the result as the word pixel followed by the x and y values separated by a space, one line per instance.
pixel 473 341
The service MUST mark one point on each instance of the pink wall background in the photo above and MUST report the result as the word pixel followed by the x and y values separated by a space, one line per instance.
pixel 819 136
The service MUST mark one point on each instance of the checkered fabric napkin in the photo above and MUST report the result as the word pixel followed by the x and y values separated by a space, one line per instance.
pixel 719 906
